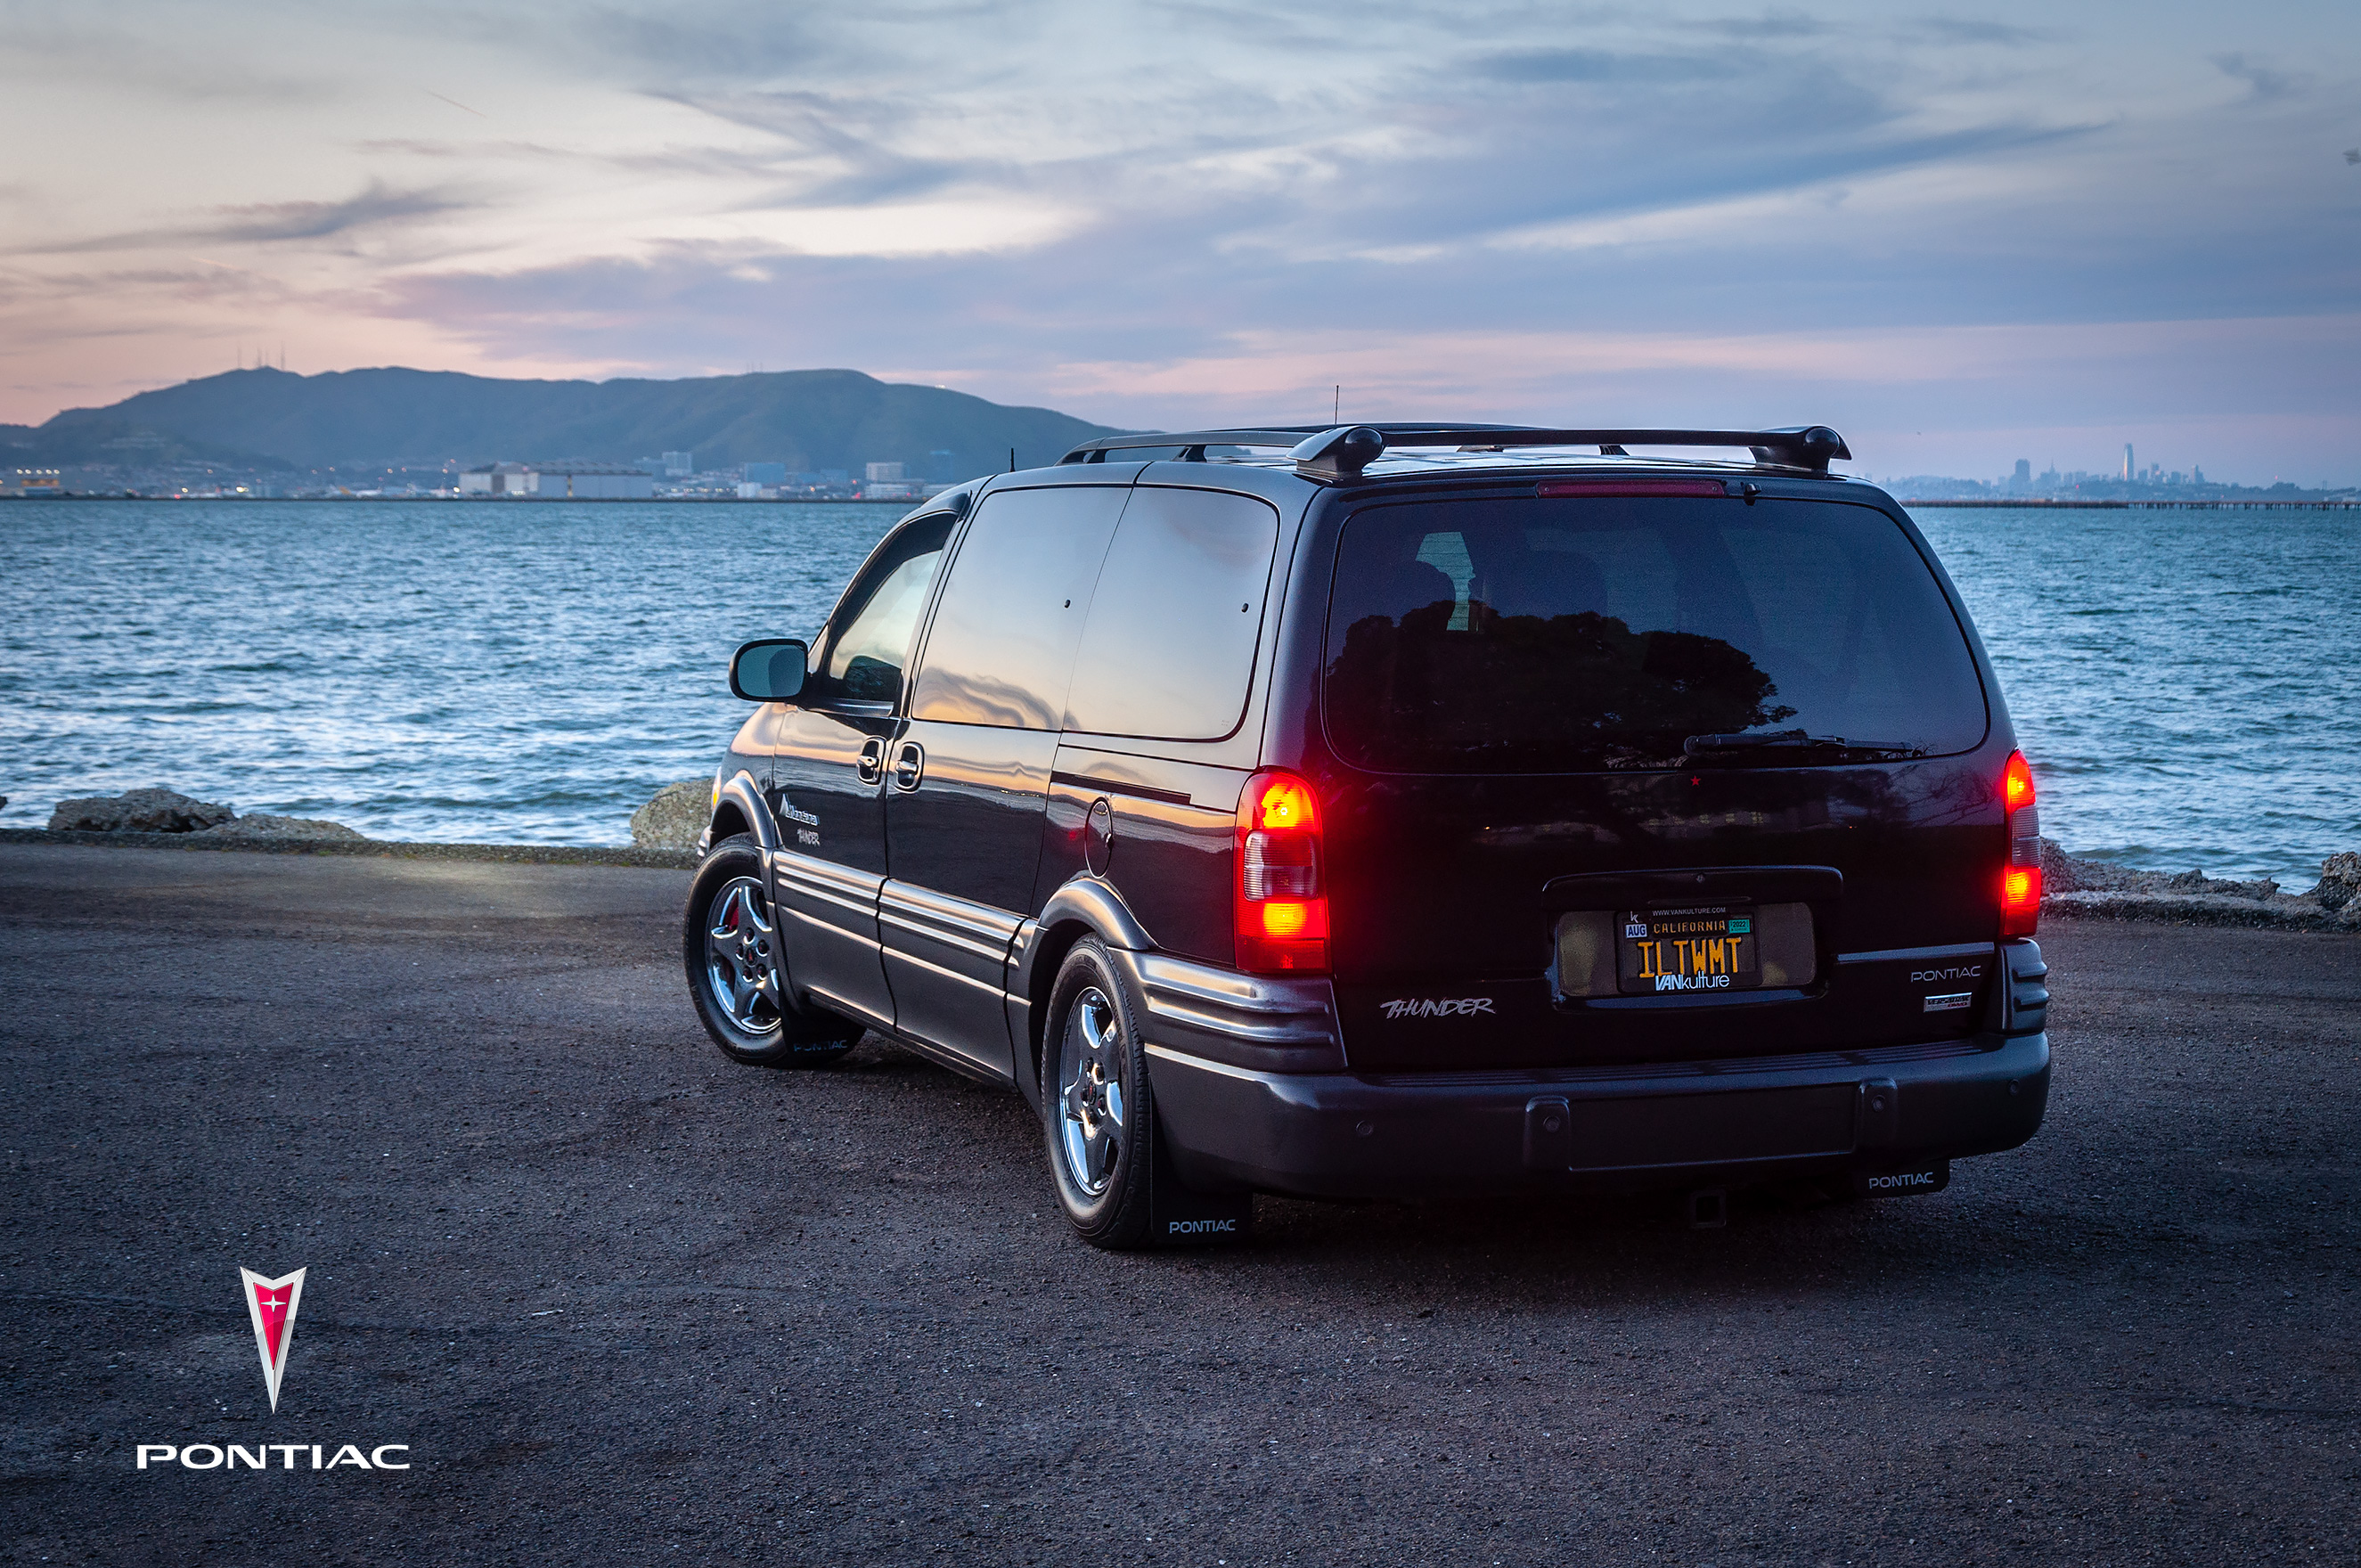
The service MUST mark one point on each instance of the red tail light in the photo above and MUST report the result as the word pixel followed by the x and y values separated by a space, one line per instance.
pixel 1282 897
pixel 2016 782
pixel 2020 881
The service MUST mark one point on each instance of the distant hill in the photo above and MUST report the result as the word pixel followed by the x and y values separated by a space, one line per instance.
pixel 807 419
pixel 102 439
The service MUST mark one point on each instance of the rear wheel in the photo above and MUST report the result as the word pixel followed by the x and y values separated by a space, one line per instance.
pixel 1096 1110
pixel 737 974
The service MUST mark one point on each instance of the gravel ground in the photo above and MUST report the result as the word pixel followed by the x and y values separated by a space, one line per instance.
pixel 624 1301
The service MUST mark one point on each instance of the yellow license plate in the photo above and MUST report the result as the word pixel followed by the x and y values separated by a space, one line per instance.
pixel 1689 951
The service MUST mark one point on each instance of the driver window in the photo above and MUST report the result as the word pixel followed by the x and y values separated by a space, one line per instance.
pixel 871 642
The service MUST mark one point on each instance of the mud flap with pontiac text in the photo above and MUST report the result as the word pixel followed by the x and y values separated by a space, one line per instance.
pixel 1908 1182
pixel 1180 1215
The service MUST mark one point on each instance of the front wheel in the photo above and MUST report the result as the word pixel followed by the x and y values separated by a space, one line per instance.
pixel 1096 1110
pixel 730 942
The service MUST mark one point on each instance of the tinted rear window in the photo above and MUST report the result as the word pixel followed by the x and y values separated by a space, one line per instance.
pixel 1170 649
pixel 1571 635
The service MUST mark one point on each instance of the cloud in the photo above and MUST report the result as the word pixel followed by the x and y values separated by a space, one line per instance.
pixel 265 223
pixel 839 141
pixel 135 55
pixel 1137 204
pixel 1967 30
pixel 268 220
pixel 1772 24
pixel 709 43
pixel 2261 80
pixel 1557 65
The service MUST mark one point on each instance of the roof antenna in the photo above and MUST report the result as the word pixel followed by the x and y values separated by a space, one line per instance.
pixel 1337 408
pixel 1011 459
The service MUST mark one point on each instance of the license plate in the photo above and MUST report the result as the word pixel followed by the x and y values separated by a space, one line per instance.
pixel 1694 950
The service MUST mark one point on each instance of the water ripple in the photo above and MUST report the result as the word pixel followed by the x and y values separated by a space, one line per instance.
pixel 420 670
pixel 2215 721
pixel 531 672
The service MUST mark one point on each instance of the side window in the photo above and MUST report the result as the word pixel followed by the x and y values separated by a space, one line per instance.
pixel 871 633
pixel 1169 652
pixel 1001 649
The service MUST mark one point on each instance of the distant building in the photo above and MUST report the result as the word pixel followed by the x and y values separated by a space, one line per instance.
pixel 590 482
pixel 679 465
pixel 37 482
pixel 2127 460
pixel 884 473
pixel 748 490
pixel 2023 478
pixel 560 481
pixel 764 473
pixel 493 479
pixel 890 489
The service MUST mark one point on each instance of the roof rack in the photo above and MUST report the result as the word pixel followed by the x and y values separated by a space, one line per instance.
pixel 1342 452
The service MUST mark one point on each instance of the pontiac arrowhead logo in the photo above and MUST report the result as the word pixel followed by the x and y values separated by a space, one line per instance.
pixel 271 1303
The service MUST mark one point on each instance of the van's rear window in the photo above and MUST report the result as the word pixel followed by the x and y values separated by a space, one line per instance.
pixel 1574 635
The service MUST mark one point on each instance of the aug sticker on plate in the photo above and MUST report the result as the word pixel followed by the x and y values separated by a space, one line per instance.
pixel 1636 929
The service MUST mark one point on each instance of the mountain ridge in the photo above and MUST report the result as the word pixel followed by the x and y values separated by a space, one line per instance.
pixel 395 417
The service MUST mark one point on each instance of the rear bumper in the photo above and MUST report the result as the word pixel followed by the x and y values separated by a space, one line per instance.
pixel 1342 1135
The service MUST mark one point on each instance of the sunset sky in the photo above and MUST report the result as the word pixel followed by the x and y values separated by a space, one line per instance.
pixel 1961 236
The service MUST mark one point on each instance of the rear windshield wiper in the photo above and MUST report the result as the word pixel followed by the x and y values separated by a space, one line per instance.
pixel 1748 744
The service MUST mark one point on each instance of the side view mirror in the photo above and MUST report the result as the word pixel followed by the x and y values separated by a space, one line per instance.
pixel 770 669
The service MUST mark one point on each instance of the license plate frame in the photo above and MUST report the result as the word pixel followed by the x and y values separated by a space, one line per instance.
pixel 1690 949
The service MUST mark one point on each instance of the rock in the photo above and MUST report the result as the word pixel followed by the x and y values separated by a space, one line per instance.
pixel 675 818
pixel 263 825
pixel 2339 883
pixel 2061 872
pixel 2198 881
pixel 158 810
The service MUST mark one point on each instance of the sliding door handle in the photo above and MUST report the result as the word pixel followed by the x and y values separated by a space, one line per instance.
pixel 909 765
pixel 870 764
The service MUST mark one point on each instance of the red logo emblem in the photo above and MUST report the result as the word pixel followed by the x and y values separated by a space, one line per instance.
pixel 271 1303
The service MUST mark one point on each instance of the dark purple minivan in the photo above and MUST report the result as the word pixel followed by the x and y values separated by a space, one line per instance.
pixel 1395 810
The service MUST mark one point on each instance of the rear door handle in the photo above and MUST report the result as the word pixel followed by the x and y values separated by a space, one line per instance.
pixel 909 765
pixel 870 764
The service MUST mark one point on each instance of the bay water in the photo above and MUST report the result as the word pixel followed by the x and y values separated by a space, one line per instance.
pixel 531 672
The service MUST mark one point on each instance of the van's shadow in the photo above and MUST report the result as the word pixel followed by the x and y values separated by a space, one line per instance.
pixel 2004 1217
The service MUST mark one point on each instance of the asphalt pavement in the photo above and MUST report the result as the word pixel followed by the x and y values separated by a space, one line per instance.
pixel 617 1300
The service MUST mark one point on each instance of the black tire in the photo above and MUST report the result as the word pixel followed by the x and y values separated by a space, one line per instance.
pixel 739 981
pixel 1097 1112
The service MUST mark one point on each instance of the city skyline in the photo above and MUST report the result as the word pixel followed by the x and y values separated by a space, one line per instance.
pixel 2014 234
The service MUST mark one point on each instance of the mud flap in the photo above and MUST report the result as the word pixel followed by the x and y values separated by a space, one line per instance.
pixel 1179 1216
pixel 1909 1182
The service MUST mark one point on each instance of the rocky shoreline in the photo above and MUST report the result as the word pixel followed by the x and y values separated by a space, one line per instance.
pixel 2072 886
pixel 163 818
pixel 665 833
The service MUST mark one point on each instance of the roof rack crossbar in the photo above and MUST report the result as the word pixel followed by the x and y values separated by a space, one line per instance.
pixel 1810 447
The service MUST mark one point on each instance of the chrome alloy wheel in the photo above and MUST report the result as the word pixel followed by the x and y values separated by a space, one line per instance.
pixel 740 944
pixel 1089 1091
